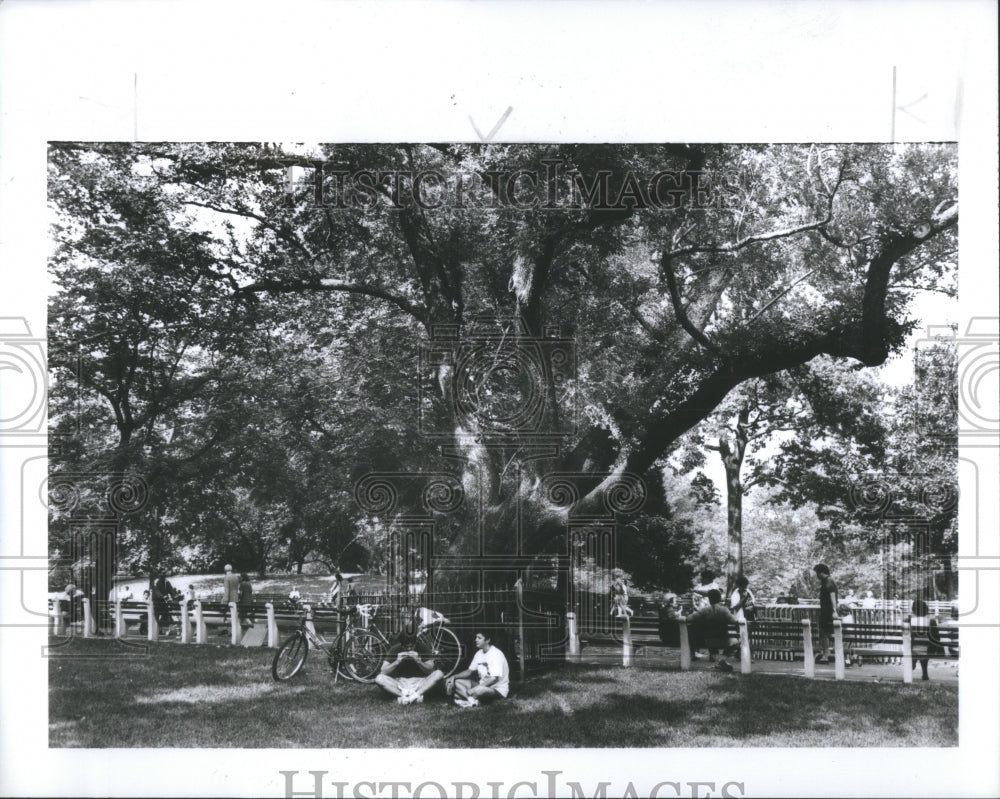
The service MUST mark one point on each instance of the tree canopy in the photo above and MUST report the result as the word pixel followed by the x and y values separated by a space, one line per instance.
pixel 266 324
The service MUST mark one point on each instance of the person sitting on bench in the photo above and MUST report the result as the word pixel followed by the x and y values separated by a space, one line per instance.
pixel 407 673
pixel 709 628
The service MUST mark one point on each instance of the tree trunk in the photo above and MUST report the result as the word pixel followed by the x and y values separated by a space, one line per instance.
pixel 732 452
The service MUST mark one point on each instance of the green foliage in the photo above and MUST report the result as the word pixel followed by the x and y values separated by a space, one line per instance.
pixel 252 354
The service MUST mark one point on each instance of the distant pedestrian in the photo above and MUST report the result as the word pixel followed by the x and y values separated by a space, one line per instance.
pixel 828 604
pixel 164 592
pixel 700 600
pixel 868 601
pixel 144 619
pixel 335 595
pixel 230 593
pixel 245 601
pixel 924 630
pixel 619 596
pixel 708 583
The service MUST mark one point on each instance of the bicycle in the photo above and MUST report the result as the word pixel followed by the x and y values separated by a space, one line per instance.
pixel 359 651
pixel 439 642
pixel 352 654
pixel 433 639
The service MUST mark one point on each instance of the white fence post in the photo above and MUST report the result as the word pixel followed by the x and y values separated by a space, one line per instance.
pixel 57 619
pixel 86 616
pixel 907 654
pixel 185 626
pixel 574 637
pixel 626 641
pixel 199 623
pixel 121 629
pixel 272 627
pixel 807 648
pixel 234 623
pixel 685 644
pixel 838 650
pixel 744 647
pixel 153 632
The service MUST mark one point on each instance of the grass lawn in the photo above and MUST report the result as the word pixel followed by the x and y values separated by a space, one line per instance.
pixel 102 695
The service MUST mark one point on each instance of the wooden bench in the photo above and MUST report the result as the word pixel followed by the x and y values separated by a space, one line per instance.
pixel 773 639
pixel 902 642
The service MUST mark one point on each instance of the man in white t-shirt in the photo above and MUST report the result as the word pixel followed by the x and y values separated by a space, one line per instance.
pixel 487 678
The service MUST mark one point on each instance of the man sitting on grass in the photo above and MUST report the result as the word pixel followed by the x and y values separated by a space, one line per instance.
pixel 709 628
pixel 486 679
pixel 408 673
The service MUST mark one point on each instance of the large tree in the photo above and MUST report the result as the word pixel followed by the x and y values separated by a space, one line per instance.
pixel 755 259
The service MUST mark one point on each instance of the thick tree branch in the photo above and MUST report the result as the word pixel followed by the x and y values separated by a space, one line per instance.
pixel 332 285
pixel 680 312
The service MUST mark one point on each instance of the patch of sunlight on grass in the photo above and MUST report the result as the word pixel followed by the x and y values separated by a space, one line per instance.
pixel 196 694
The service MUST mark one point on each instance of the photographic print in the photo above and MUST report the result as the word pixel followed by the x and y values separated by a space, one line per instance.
pixel 571 396
pixel 527 465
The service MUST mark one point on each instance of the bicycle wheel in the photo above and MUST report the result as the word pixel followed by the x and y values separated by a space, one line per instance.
pixel 363 656
pixel 290 657
pixel 443 646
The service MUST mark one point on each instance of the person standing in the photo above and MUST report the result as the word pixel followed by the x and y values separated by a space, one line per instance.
pixel 619 596
pixel 230 593
pixel 335 597
pixel 163 592
pixel 924 631
pixel 144 618
pixel 245 601
pixel 828 604
pixel 700 600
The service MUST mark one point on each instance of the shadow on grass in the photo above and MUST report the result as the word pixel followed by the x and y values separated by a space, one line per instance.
pixel 220 696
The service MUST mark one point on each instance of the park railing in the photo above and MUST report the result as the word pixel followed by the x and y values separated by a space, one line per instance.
pixel 528 625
